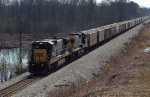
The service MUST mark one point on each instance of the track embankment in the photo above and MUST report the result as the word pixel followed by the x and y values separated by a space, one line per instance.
pixel 76 75
pixel 128 74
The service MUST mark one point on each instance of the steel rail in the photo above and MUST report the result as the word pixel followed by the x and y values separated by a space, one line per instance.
pixel 16 86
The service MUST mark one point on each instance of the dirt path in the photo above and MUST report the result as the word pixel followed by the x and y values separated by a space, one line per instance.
pixel 128 72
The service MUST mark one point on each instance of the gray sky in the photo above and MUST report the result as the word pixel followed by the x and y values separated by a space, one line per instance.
pixel 143 3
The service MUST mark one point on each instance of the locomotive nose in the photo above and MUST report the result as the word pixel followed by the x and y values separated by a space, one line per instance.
pixel 38 68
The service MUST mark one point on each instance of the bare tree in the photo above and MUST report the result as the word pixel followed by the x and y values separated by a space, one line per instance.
pixel 58 16
pixel 20 17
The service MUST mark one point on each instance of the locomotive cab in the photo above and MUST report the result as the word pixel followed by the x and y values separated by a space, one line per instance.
pixel 40 57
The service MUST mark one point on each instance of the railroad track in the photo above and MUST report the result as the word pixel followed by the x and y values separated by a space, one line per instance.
pixel 14 88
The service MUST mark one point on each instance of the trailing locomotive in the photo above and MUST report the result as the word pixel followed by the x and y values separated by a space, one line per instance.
pixel 46 53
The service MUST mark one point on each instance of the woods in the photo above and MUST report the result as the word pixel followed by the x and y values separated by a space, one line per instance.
pixel 63 16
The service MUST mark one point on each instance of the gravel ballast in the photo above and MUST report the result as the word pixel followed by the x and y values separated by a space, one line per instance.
pixel 80 71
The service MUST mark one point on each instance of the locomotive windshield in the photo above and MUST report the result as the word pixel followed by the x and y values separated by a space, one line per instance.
pixel 39 46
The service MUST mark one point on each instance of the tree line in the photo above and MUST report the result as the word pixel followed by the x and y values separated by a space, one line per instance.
pixel 64 16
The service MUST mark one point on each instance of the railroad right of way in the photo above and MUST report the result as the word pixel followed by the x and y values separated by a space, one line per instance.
pixel 76 74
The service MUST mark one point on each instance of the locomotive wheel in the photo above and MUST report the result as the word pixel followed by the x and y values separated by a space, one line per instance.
pixel 53 66
pixel 75 54
pixel 68 59
pixel 85 50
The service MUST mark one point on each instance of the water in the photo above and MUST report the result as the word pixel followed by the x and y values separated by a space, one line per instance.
pixel 9 60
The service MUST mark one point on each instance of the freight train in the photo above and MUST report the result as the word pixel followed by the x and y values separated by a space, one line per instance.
pixel 45 54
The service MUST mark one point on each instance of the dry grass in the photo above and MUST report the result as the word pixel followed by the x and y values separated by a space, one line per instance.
pixel 7 72
pixel 19 69
pixel 63 90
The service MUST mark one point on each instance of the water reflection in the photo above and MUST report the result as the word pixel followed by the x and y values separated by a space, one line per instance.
pixel 9 60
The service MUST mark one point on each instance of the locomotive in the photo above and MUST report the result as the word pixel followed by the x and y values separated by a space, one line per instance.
pixel 45 54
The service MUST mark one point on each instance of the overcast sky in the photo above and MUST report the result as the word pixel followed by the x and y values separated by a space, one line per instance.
pixel 143 3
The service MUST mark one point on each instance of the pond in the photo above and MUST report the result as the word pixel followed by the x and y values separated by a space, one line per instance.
pixel 10 62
